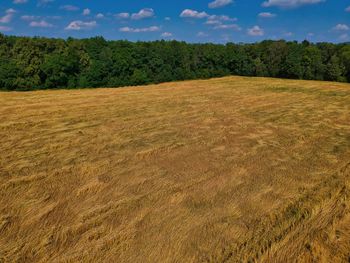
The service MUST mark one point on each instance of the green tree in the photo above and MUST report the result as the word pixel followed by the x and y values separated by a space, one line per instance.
pixel 8 75
pixel 313 68
pixel 334 69
pixel 260 68
pixel 292 67
pixel 139 77
pixel 33 63
pixel 345 58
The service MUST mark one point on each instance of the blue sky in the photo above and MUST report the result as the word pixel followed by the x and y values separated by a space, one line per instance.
pixel 216 21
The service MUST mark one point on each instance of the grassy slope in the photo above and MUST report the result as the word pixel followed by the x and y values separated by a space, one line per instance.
pixel 222 170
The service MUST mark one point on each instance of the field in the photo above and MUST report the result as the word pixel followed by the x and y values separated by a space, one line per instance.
pixel 223 170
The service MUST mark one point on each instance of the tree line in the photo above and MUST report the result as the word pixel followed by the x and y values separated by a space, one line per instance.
pixel 28 63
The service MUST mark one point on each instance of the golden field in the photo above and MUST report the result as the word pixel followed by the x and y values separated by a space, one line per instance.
pixel 224 170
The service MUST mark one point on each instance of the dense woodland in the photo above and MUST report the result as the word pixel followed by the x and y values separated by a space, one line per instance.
pixel 42 63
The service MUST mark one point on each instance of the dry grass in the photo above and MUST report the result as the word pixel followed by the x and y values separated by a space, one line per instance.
pixel 223 170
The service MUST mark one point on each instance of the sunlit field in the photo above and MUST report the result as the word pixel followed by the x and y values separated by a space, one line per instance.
pixel 231 169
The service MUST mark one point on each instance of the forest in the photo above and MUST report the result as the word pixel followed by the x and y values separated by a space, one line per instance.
pixel 30 63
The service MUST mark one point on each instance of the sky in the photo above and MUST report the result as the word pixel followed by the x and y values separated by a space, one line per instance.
pixel 217 21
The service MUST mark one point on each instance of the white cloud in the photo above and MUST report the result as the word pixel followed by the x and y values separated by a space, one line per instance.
pixel 122 15
pixel 100 15
pixel 8 16
pixel 86 12
pixel 202 34
pixel 290 3
pixel 288 34
pixel 218 19
pixel 193 14
pixel 341 27
pixel 347 9
pixel 213 22
pixel 166 34
pixel 221 18
pixel 217 22
pixel 143 13
pixel 29 18
pixel 139 30
pixel 167 18
pixel 20 1
pixel 255 31
pixel 267 15
pixel 219 3
pixel 80 25
pixel 69 8
pixel 10 11
pixel 5 28
pixel 41 23
pixel 228 26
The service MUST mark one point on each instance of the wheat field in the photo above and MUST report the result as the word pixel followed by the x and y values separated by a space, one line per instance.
pixel 231 169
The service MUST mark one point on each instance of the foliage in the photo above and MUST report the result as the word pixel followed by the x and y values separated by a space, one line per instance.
pixel 42 63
